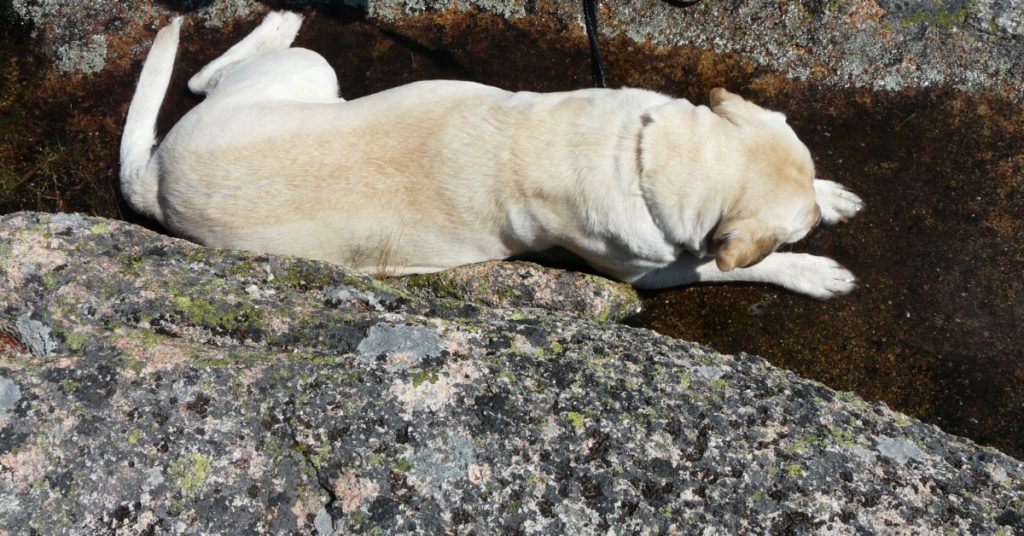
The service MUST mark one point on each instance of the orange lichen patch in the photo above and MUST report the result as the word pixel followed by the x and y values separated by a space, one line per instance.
pixel 24 467
pixel 864 11
pixel 9 344
pixel 305 506
pixel 458 342
pixel 352 491
pixel 251 374
pixel 156 353
pixel 479 474
pixel 32 252
pixel 434 392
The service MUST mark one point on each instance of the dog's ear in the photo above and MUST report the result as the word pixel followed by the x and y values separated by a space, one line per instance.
pixel 729 106
pixel 720 95
pixel 743 243
pixel 738 110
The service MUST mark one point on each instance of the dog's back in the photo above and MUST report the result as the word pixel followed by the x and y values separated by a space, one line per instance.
pixel 427 176
pixel 340 182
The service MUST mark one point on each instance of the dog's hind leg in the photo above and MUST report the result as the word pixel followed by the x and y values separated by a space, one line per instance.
pixel 276 32
pixel 262 67
pixel 295 74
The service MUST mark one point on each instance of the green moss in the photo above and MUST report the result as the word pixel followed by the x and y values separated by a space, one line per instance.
pixel 203 360
pixel 936 18
pixel 6 252
pixel 376 285
pixel 842 436
pixel 190 472
pixel 69 385
pixel 556 347
pixel 720 383
pixel 50 281
pixel 100 228
pixel 507 294
pixel 439 284
pixel 312 358
pixel 426 375
pixel 758 496
pixel 794 470
pixel 518 316
pixel 242 269
pixel 76 340
pixel 401 466
pixel 304 275
pixel 577 420
pixel 229 317
pixel 134 436
pixel 128 362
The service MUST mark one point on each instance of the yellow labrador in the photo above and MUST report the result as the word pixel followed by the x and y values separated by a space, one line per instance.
pixel 646 188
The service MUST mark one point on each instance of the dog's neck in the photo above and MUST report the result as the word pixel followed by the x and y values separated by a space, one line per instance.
pixel 689 174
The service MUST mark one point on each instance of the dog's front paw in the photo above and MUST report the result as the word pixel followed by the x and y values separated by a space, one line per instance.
pixel 836 202
pixel 814 276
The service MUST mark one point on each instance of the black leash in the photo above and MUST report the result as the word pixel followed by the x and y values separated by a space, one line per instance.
pixel 590 21
pixel 596 63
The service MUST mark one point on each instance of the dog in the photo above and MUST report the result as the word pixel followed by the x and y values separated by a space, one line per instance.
pixel 646 188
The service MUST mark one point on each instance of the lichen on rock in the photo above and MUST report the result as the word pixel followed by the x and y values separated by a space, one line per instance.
pixel 302 397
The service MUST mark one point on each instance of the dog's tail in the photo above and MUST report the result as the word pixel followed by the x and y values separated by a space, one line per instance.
pixel 140 180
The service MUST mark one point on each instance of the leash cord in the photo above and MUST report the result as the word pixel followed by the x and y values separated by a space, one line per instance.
pixel 596 62
pixel 590 21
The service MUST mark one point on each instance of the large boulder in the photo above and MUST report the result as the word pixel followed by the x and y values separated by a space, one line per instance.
pixel 149 385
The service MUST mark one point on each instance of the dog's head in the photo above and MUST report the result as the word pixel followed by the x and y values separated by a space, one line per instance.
pixel 734 175
pixel 774 199
pixel 774 202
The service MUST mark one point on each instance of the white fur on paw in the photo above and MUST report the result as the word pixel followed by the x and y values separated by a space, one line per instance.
pixel 818 277
pixel 836 202
pixel 278 30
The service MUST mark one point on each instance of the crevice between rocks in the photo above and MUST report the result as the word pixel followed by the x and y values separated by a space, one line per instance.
pixel 321 479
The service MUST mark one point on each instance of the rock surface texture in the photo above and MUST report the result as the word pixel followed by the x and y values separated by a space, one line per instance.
pixel 880 44
pixel 148 385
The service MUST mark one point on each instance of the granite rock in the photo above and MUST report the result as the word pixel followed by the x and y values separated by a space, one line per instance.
pixel 193 390
pixel 879 44
pixel 518 283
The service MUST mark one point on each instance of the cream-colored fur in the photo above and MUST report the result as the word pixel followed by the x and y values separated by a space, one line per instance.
pixel 646 188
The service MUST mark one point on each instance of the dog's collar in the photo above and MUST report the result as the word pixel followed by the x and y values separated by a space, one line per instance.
pixel 645 193
pixel 702 248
